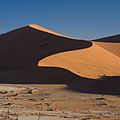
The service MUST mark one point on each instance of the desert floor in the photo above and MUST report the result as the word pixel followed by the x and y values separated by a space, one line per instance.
pixel 55 102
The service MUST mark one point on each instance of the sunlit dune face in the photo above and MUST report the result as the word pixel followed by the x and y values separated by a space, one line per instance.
pixel 92 62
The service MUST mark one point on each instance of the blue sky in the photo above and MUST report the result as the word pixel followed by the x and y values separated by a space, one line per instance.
pixel 86 19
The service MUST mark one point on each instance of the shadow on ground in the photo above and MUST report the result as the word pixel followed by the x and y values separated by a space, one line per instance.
pixel 54 75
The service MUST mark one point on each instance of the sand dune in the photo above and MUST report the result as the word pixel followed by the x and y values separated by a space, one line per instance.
pixel 33 54
pixel 112 39
pixel 111 44
pixel 34 45
pixel 111 47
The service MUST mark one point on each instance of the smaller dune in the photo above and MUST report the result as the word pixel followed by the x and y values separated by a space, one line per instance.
pixel 111 44
pixel 112 39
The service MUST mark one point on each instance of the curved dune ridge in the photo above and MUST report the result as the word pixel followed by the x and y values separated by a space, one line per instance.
pixel 92 62
pixel 37 27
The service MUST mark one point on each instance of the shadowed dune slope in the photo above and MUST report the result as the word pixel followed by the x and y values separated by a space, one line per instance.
pixel 56 75
pixel 24 47
pixel 111 44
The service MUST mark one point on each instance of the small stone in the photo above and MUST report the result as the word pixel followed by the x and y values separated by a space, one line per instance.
pixel 7 103
pixel 85 118
pixel 3 92
pixel 102 104
pixel 48 104
pixel 100 98
pixel 50 109
pixel 42 99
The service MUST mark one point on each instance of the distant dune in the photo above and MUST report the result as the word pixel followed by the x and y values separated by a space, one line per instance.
pixel 112 39
pixel 111 44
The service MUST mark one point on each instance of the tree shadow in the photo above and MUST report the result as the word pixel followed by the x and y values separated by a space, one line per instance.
pixel 53 75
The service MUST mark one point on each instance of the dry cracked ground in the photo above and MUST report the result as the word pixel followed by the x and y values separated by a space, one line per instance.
pixel 55 102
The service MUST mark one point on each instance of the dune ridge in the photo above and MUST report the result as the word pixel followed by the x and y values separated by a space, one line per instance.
pixel 37 27
pixel 92 62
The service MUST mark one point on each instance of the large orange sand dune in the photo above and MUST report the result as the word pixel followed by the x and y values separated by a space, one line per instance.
pixel 33 54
